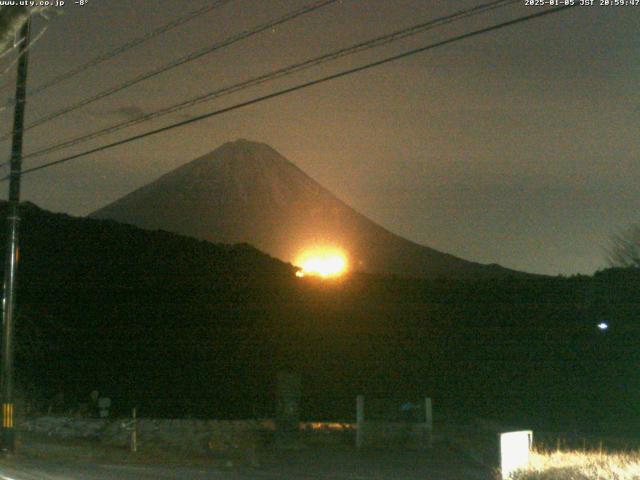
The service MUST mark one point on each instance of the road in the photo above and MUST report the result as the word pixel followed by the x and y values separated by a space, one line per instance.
pixel 317 464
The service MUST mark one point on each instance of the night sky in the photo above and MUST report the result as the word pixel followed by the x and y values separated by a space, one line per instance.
pixel 518 147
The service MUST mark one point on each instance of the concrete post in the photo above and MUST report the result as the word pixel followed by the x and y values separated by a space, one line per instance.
pixel 134 430
pixel 428 414
pixel 288 394
pixel 359 421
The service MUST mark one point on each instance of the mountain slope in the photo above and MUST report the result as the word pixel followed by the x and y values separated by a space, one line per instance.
pixel 247 192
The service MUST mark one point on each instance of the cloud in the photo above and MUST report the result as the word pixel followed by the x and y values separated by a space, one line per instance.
pixel 130 112
pixel 184 115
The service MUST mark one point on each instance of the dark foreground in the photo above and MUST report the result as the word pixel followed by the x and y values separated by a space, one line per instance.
pixel 440 463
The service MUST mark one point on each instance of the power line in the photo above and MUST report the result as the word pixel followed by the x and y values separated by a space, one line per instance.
pixel 121 49
pixel 282 72
pixel 176 63
pixel 301 86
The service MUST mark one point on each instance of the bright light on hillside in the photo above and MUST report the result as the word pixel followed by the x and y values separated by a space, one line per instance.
pixel 324 263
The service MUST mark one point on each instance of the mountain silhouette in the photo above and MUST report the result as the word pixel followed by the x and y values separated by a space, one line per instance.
pixel 247 192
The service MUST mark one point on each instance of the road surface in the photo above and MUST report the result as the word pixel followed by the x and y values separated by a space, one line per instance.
pixel 310 464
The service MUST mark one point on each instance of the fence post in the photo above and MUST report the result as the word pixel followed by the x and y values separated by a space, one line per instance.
pixel 428 418
pixel 134 431
pixel 359 421
pixel 288 394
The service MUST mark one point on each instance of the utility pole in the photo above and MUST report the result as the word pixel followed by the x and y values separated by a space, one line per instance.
pixel 11 259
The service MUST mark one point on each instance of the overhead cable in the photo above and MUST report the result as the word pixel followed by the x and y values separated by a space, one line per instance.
pixel 282 72
pixel 121 49
pixel 298 87
pixel 176 63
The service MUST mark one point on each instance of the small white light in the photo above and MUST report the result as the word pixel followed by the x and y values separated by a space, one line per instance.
pixel 603 326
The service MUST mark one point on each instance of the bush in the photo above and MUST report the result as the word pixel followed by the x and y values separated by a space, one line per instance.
pixel 577 465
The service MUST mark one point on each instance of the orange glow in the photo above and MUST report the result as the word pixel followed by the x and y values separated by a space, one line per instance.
pixel 327 426
pixel 322 262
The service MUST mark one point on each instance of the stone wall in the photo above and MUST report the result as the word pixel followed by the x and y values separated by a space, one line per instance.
pixel 204 436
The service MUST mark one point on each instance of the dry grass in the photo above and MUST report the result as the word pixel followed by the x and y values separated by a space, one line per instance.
pixel 577 465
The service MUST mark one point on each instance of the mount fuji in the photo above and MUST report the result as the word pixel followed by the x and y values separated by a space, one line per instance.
pixel 246 192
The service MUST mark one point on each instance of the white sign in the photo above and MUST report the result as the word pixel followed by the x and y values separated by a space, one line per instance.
pixel 514 451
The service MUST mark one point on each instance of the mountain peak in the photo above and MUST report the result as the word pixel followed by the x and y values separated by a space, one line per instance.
pixel 242 153
pixel 244 145
pixel 248 148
